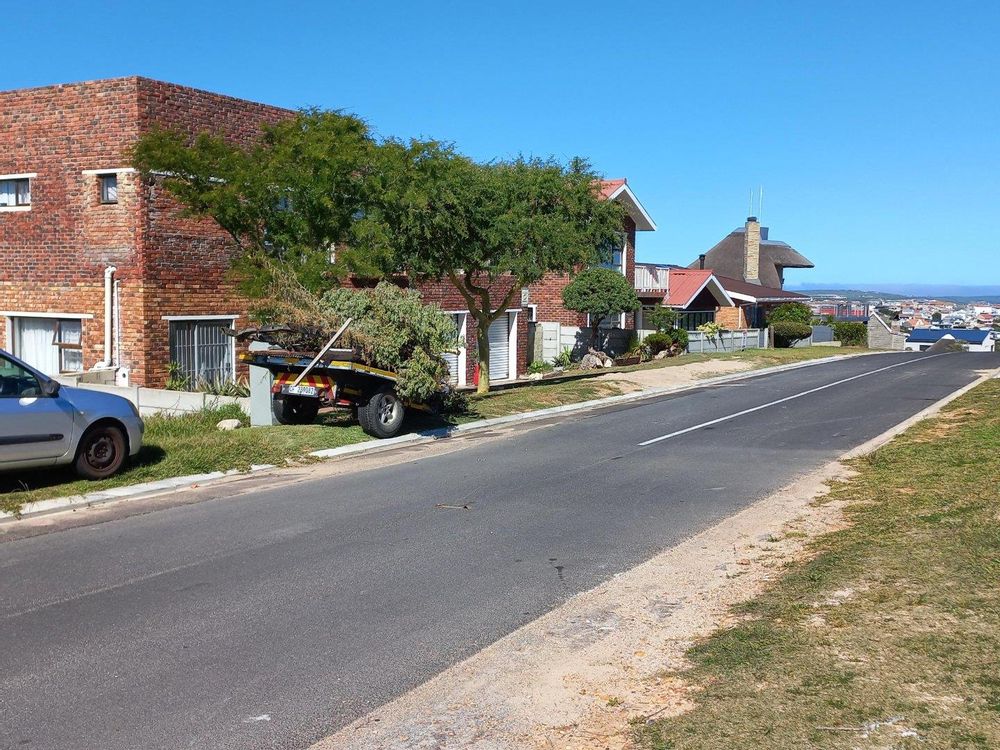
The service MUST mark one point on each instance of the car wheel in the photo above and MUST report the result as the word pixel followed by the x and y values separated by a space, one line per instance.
pixel 295 409
pixel 101 453
pixel 383 415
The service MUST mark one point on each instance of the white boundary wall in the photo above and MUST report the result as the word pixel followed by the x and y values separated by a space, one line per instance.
pixel 160 401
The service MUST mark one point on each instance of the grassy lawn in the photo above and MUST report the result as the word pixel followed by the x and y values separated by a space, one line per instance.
pixel 539 395
pixel 890 636
pixel 176 446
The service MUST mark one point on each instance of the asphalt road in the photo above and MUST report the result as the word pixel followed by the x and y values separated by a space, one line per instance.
pixel 271 619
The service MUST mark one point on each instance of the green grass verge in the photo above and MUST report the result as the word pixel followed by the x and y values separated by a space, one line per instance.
pixel 190 444
pixel 889 636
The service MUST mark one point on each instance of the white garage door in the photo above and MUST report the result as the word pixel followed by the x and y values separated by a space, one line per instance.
pixel 499 348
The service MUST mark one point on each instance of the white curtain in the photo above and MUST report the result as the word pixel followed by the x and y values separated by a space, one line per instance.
pixel 7 193
pixel 33 342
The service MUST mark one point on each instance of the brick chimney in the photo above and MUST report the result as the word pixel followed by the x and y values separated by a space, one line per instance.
pixel 751 251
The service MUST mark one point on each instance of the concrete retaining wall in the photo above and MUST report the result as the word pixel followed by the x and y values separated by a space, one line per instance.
pixel 159 401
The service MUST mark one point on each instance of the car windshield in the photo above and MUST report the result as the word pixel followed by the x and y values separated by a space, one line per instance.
pixel 17 382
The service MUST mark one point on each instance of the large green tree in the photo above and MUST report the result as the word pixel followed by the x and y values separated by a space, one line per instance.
pixel 319 181
pixel 489 229
pixel 600 293
pixel 289 197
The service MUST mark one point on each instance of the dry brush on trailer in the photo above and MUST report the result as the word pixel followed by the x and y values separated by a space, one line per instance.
pixel 389 359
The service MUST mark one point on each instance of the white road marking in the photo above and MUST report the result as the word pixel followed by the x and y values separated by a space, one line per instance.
pixel 252 719
pixel 783 400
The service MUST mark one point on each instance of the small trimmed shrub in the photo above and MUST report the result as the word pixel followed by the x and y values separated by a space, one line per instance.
pixel 657 342
pixel 680 337
pixel 787 332
pixel 851 334
pixel 791 312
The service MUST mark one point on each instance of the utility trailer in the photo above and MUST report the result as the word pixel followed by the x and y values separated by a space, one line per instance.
pixel 303 382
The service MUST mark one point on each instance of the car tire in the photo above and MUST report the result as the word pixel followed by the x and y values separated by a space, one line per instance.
pixel 383 415
pixel 295 409
pixel 102 452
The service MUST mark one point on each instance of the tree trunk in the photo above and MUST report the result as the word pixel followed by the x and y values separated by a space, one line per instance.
pixel 483 349
pixel 595 325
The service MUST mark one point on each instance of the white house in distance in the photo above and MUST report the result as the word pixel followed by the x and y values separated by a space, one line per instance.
pixel 974 340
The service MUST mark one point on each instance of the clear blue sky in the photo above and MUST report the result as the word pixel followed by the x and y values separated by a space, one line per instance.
pixel 874 127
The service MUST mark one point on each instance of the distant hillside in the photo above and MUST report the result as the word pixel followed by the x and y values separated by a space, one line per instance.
pixel 862 295
pixel 952 292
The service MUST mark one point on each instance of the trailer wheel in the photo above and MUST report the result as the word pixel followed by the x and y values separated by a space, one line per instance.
pixel 383 415
pixel 294 409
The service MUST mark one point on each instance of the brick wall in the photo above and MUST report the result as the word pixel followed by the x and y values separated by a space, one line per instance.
pixel 731 318
pixel 52 258
pixel 547 293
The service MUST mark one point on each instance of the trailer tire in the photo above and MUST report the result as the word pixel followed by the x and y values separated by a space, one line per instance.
pixel 294 409
pixel 383 415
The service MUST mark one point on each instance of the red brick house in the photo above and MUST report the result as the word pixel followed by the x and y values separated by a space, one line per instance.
pixel 556 327
pixel 98 271
pixel 81 235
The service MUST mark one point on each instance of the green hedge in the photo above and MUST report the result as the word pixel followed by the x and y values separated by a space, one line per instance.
pixel 851 334
pixel 787 332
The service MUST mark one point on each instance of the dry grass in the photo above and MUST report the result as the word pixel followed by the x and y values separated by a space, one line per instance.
pixel 889 635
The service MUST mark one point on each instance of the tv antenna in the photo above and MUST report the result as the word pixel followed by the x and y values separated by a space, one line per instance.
pixel 760 204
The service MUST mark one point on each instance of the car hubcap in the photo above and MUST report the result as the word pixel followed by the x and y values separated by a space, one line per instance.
pixel 101 452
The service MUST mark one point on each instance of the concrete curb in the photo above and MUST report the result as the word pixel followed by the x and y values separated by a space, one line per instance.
pixel 176 484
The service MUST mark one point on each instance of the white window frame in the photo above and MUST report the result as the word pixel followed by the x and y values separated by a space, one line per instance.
pixel 102 189
pixel 532 313
pixel 57 318
pixel 29 176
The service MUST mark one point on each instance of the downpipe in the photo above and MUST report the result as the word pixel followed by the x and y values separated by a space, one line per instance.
pixel 109 294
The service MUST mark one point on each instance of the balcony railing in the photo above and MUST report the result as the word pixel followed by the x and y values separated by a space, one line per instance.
pixel 651 278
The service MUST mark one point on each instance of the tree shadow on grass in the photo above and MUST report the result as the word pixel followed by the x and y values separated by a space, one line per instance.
pixel 35 479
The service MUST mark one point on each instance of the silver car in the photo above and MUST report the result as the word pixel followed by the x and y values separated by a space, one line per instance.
pixel 43 423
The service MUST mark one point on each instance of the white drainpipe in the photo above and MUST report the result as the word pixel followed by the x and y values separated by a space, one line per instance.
pixel 109 274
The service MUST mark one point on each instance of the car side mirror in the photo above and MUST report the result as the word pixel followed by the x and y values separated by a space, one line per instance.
pixel 50 388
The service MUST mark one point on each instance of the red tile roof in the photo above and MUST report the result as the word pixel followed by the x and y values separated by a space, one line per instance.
pixel 684 285
pixel 608 187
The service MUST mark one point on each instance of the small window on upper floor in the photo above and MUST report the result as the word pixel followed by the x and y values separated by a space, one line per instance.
pixel 109 188
pixel 15 192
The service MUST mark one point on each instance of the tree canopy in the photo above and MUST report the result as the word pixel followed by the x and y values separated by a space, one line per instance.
pixel 320 182
pixel 291 196
pixel 600 293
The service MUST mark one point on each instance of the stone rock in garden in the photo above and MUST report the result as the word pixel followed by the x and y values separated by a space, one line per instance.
pixel 609 362
pixel 535 376
pixel 590 362
pixel 661 354
pixel 229 424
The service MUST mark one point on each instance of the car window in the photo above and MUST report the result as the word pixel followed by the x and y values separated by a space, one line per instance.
pixel 16 382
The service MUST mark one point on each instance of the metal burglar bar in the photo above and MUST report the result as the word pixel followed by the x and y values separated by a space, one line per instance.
pixel 202 350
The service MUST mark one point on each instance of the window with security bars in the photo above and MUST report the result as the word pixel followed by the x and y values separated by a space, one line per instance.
pixel 201 350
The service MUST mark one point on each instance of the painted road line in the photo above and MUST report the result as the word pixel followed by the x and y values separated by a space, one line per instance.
pixel 782 401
